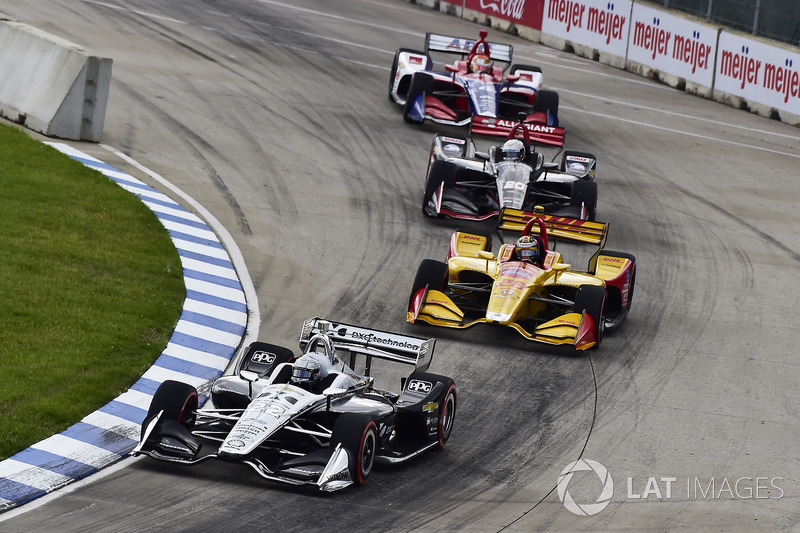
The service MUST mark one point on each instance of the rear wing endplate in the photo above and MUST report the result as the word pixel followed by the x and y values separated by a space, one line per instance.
pixel 460 45
pixel 571 229
pixel 406 349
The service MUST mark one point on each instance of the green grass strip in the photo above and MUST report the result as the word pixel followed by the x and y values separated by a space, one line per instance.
pixel 91 288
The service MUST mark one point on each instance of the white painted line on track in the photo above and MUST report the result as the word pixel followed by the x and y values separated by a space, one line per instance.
pixel 683 131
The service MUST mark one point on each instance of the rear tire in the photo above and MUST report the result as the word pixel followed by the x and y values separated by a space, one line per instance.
pixel 519 66
pixel 393 72
pixel 592 299
pixel 447 412
pixel 632 259
pixel 357 434
pixel 568 153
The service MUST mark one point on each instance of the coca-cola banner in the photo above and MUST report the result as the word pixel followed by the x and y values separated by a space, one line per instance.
pixel 526 13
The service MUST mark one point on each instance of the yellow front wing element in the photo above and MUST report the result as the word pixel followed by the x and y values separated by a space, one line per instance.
pixel 439 310
pixel 566 228
pixel 561 330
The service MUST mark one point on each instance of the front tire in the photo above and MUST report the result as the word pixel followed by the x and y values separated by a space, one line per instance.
pixel 592 299
pixel 178 400
pixel 357 434
pixel 439 172
pixel 431 274
pixel 421 84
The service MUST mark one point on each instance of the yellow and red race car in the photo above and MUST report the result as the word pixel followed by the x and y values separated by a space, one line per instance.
pixel 540 296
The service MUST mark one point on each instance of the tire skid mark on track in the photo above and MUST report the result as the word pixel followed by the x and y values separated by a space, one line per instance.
pixel 207 335
pixel 191 138
pixel 580 455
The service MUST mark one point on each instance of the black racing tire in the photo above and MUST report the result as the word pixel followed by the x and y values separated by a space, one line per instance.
pixel 431 274
pixel 592 299
pixel 519 66
pixel 421 83
pixel 547 101
pixel 438 172
pixel 393 72
pixel 481 233
pixel 585 192
pixel 178 400
pixel 632 258
pixel 447 412
pixel 357 434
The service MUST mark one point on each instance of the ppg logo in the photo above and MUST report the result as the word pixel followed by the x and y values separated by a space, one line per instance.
pixel 266 358
pixel 420 386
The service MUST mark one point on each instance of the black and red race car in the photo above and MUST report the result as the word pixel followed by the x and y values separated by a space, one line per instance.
pixel 466 184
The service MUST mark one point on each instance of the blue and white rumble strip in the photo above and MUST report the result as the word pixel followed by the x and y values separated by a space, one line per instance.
pixel 206 337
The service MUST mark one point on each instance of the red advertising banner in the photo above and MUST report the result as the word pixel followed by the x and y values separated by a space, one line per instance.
pixel 526 13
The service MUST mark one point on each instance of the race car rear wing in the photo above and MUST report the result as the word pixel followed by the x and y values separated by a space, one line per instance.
pixel 571 229
pixel 538 133
pixel 406 349
pixel 461 45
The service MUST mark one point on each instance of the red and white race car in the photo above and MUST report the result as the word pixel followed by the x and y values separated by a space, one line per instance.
pixel 473 91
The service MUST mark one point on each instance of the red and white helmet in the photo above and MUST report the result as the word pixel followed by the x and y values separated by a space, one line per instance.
pixel 480 63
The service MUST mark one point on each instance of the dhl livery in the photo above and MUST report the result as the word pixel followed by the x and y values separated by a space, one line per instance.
pixel 542 298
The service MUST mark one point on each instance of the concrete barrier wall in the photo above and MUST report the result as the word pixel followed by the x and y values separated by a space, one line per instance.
pixel 51 85
pixel 690 54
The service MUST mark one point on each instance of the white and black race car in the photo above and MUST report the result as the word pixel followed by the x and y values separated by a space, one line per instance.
pixel 466 184
pixel 327 432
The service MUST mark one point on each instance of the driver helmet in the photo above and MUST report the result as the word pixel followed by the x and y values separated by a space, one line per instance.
pixel 528 248
pixel 480 63
pixel 306 370
pixel 513 150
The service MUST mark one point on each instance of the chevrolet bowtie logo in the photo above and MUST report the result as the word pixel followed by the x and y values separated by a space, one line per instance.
pixel 431 407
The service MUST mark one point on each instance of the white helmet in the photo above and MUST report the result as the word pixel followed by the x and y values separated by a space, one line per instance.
pixel 306 370
pixel 513 150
